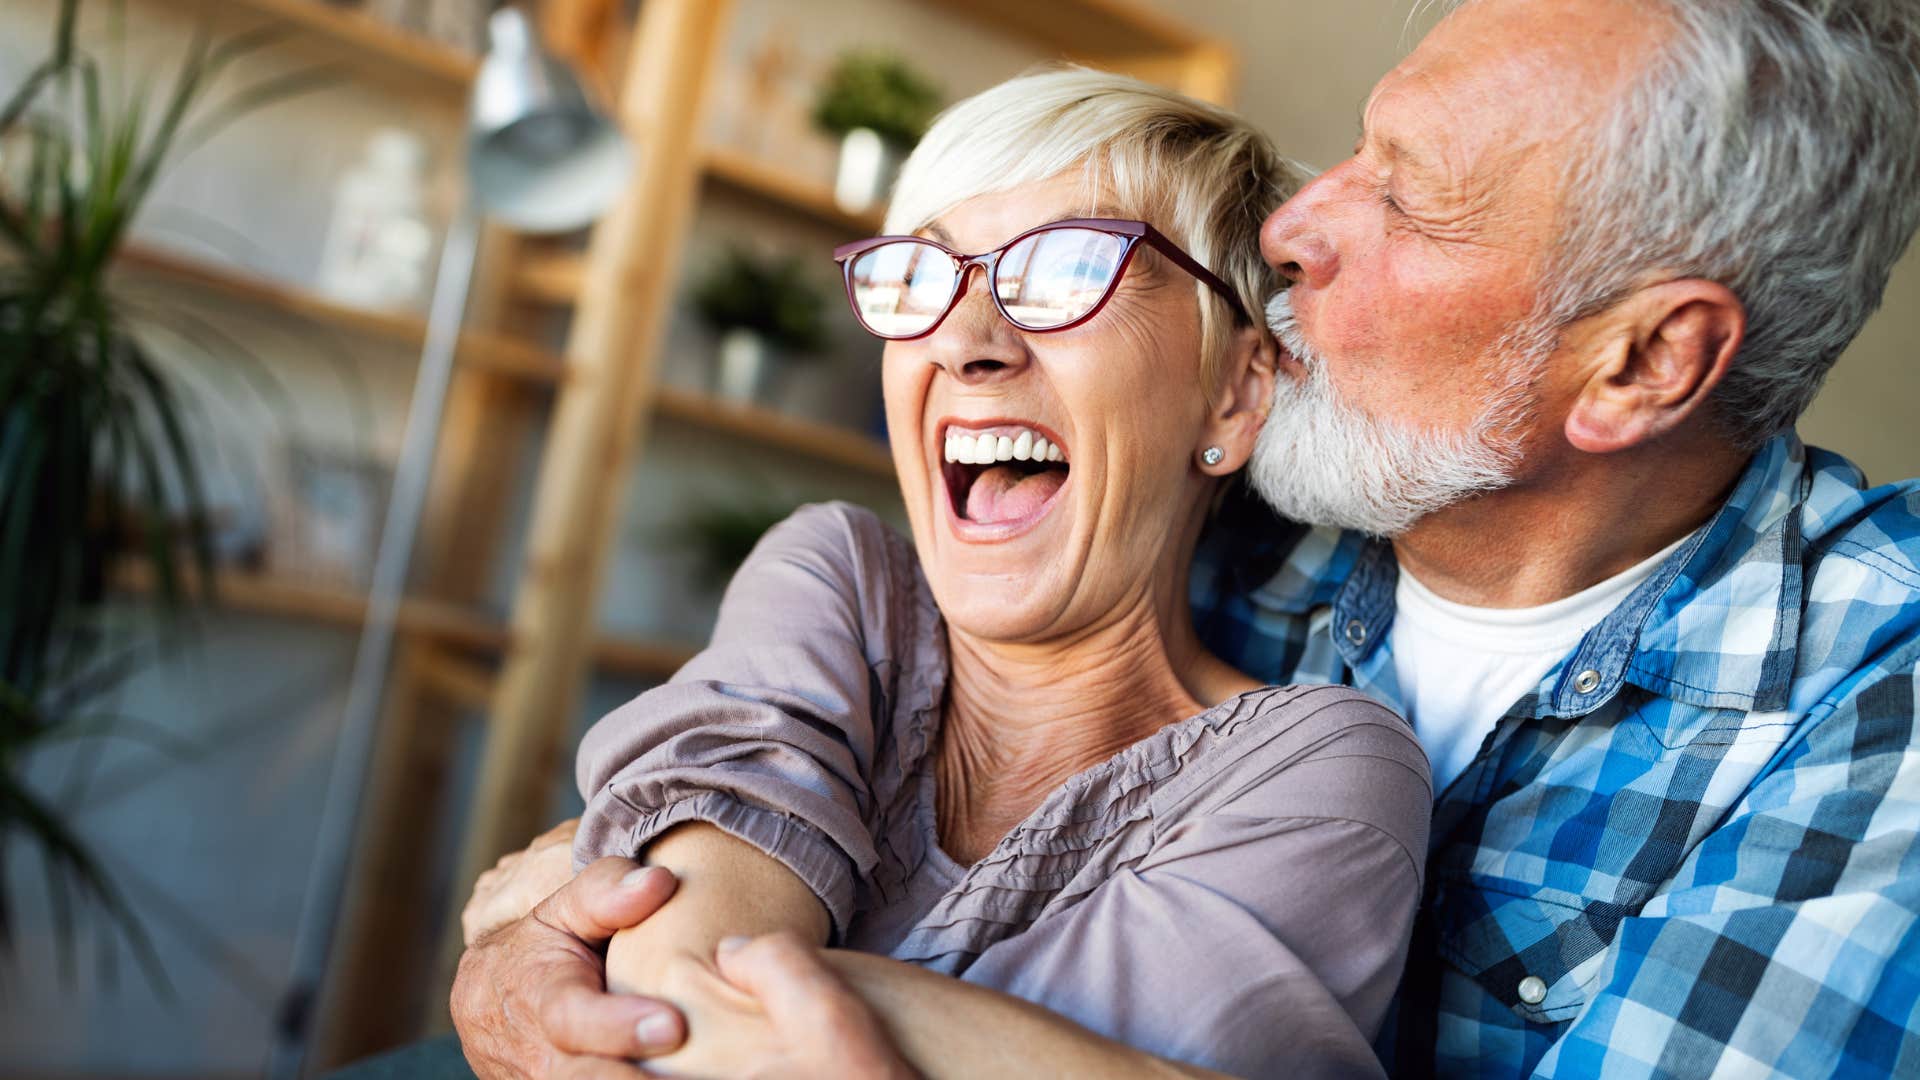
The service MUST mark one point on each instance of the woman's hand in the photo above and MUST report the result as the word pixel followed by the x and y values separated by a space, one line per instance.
pixel 771 1007
pixel 519 881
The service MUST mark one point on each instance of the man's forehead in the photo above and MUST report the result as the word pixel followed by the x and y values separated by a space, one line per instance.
pixel 1515 70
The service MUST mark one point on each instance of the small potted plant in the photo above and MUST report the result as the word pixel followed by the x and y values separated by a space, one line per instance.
pixel 757 305
pixel 879 107
pixel 722 533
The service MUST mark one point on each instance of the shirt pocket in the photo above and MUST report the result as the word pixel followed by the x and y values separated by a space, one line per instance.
pixel 1537 951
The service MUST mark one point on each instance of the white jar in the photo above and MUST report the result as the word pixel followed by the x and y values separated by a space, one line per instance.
pixel 379 246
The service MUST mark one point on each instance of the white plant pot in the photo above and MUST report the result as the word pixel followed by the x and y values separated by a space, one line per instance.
pixel 745 363
pixel 867 167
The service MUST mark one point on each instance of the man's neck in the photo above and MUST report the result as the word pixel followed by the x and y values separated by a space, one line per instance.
pixel 1570 525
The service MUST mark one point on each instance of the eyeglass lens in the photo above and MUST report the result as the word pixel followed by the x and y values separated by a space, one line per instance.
pixel 1047 280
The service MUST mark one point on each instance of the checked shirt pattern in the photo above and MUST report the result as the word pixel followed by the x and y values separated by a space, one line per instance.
pixel 1694 848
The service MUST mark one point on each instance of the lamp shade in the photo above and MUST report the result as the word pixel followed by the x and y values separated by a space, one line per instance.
pixel 541 158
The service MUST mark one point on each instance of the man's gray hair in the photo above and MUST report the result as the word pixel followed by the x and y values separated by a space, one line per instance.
pixel 1774 147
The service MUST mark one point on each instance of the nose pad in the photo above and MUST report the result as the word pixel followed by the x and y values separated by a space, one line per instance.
pixel 974 343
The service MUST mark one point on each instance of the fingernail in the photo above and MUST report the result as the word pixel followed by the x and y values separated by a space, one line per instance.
pixel 635 878
pixel 656 1030
pixel 728 944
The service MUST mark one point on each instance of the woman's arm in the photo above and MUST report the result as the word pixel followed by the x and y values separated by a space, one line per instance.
pixel 1263 929
pixel 771 732
pixel 945 1027
pixel 728 888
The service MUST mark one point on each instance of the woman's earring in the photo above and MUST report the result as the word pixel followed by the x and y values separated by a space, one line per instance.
pixel 1213 455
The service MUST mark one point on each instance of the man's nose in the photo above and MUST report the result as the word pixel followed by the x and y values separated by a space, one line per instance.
pixel 974 344
pixel 1294 242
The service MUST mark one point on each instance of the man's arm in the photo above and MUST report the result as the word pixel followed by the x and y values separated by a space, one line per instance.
pixel 1787 942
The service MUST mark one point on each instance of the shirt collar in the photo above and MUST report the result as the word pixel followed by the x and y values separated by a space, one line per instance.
pixel 1715 626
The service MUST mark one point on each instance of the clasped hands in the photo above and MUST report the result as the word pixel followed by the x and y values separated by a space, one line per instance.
pixel 537 995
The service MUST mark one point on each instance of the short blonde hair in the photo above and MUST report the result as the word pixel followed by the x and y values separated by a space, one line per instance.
pixel 1200 174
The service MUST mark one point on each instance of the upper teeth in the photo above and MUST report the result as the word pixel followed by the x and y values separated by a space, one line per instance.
pixel 985 448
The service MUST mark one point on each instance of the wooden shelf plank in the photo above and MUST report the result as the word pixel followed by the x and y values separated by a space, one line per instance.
pixel 508 357
pixel 1084 27
pixel 765 180
pixel 614 655
pixel 549 277
pixel 257 593
pixel 485 351
pixel 360 40
pixel 555 277
pixel 825 442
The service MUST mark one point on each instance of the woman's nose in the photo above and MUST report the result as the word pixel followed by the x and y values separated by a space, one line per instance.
pixel 974 344
pixel 1294 242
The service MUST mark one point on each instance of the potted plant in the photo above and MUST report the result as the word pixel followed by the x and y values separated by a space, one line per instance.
pixel 94 447
pixel 879 107
pixel 722 534
pixel 757 305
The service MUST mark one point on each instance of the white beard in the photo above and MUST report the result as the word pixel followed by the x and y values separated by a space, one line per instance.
pixel 1322 461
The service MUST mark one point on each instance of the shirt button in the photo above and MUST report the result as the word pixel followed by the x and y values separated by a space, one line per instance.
pixel 1357 632
pixel 1533 990
pixel 1586 681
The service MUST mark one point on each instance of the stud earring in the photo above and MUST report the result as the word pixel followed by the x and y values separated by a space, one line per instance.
pixel 1213 455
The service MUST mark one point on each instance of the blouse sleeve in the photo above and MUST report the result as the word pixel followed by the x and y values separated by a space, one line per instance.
pixel 1262 936
pixel 769 733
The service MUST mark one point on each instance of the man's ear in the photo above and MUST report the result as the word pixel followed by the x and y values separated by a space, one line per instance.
pixel 1660 353
pixel 1240 408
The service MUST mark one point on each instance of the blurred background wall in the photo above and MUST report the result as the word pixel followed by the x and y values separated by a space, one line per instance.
pixel 211 832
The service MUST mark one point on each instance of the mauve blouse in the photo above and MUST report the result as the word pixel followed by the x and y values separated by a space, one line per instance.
pixel 1235 890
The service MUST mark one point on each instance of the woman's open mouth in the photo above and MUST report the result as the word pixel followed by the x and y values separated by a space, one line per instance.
pixel 1002 476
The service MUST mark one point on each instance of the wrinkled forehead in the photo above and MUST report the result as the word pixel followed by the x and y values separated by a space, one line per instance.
pixel 1501 79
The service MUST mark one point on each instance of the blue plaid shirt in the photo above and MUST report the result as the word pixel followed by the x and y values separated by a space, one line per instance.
pixel 1694 847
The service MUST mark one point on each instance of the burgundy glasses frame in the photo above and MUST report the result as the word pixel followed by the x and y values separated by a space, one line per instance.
pixel 1132 231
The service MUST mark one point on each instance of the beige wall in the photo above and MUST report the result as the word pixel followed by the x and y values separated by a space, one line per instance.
pixel 1306 68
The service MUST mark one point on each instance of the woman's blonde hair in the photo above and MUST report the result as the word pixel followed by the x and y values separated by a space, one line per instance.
pixel 1199 173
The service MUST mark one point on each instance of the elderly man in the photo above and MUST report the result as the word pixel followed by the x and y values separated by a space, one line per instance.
pixel 1550 328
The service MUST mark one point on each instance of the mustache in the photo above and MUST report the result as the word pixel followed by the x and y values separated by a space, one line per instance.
pixel 1285 327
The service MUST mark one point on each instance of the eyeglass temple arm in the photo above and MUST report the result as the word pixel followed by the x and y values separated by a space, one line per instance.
pixel 1192 266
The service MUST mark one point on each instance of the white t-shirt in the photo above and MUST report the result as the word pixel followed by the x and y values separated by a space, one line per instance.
pixel 1461 668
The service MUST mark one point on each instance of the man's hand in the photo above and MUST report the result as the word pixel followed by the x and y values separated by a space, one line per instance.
pixel 518 881
pixel 792 1017
pixel 530 998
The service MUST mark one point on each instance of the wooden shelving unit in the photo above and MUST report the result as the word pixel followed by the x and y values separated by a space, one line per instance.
pixel 501 355
pixel 823 442
pixel 762 180
pixel 555 277
pixel 1118 35
pixel 146 268
pixel 357 41
pixel 453 625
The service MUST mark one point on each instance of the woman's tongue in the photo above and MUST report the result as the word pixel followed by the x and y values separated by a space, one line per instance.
pixel 1005 493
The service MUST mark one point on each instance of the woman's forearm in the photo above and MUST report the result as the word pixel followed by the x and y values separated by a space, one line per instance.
pixel 727 887
pixel 952 1030
pixel 947 1028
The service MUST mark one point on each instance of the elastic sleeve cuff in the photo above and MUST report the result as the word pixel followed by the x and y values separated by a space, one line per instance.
pixel 794 843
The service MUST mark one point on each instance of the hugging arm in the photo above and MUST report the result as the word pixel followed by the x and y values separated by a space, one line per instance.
pixel 1263 934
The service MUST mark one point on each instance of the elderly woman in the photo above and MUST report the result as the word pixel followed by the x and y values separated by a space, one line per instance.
pixel 998 753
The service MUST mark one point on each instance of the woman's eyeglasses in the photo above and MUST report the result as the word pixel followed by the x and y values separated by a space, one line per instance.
pixel 1051 278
